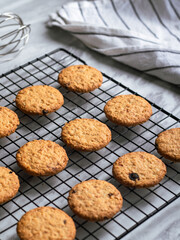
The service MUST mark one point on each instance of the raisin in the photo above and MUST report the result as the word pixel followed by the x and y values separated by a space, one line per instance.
pixel 110 194
pixel 134 176
pixel 65 221
pixel 44 112
pixel 73 191
pixel 10 172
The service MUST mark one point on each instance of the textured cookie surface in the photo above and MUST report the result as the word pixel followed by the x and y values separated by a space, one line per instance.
pixel 9 184
pixel 80 78
pixel 86 134
pixel 139 169
pixel 8 121
pixel 42 158
pixel 128 110
pixel 95 200
pixel 46 223
pixel 168 144
pixel 39 100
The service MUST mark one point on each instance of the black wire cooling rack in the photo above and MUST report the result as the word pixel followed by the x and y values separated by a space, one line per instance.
pixel 139 204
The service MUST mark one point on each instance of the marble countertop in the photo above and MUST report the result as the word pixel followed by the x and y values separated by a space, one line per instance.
pixel 165 224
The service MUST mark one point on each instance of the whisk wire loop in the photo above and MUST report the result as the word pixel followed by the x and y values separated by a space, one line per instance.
pixel 14 35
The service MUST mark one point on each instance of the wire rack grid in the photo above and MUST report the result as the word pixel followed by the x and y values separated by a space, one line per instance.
pixel 138 205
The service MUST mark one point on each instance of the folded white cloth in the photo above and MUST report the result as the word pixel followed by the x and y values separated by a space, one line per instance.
pixel 143 34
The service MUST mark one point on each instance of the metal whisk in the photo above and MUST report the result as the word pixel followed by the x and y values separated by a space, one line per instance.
pixel 13 36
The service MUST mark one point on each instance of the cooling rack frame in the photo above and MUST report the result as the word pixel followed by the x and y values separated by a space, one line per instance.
pixel 53 191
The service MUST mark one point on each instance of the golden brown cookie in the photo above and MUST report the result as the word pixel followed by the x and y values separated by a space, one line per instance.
pixel 86 134
pixel 9 184
pixel 8 122
pixel 128 110
pixel 80 78
pixel 95 200
pixel 42 158
pixel 46 223
pixel 168 144
pixel 139 169
pixel 39 100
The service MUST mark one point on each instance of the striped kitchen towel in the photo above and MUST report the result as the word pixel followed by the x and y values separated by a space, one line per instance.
pixel 143 34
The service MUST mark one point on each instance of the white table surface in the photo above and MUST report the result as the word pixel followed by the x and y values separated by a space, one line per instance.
pixel 165 224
